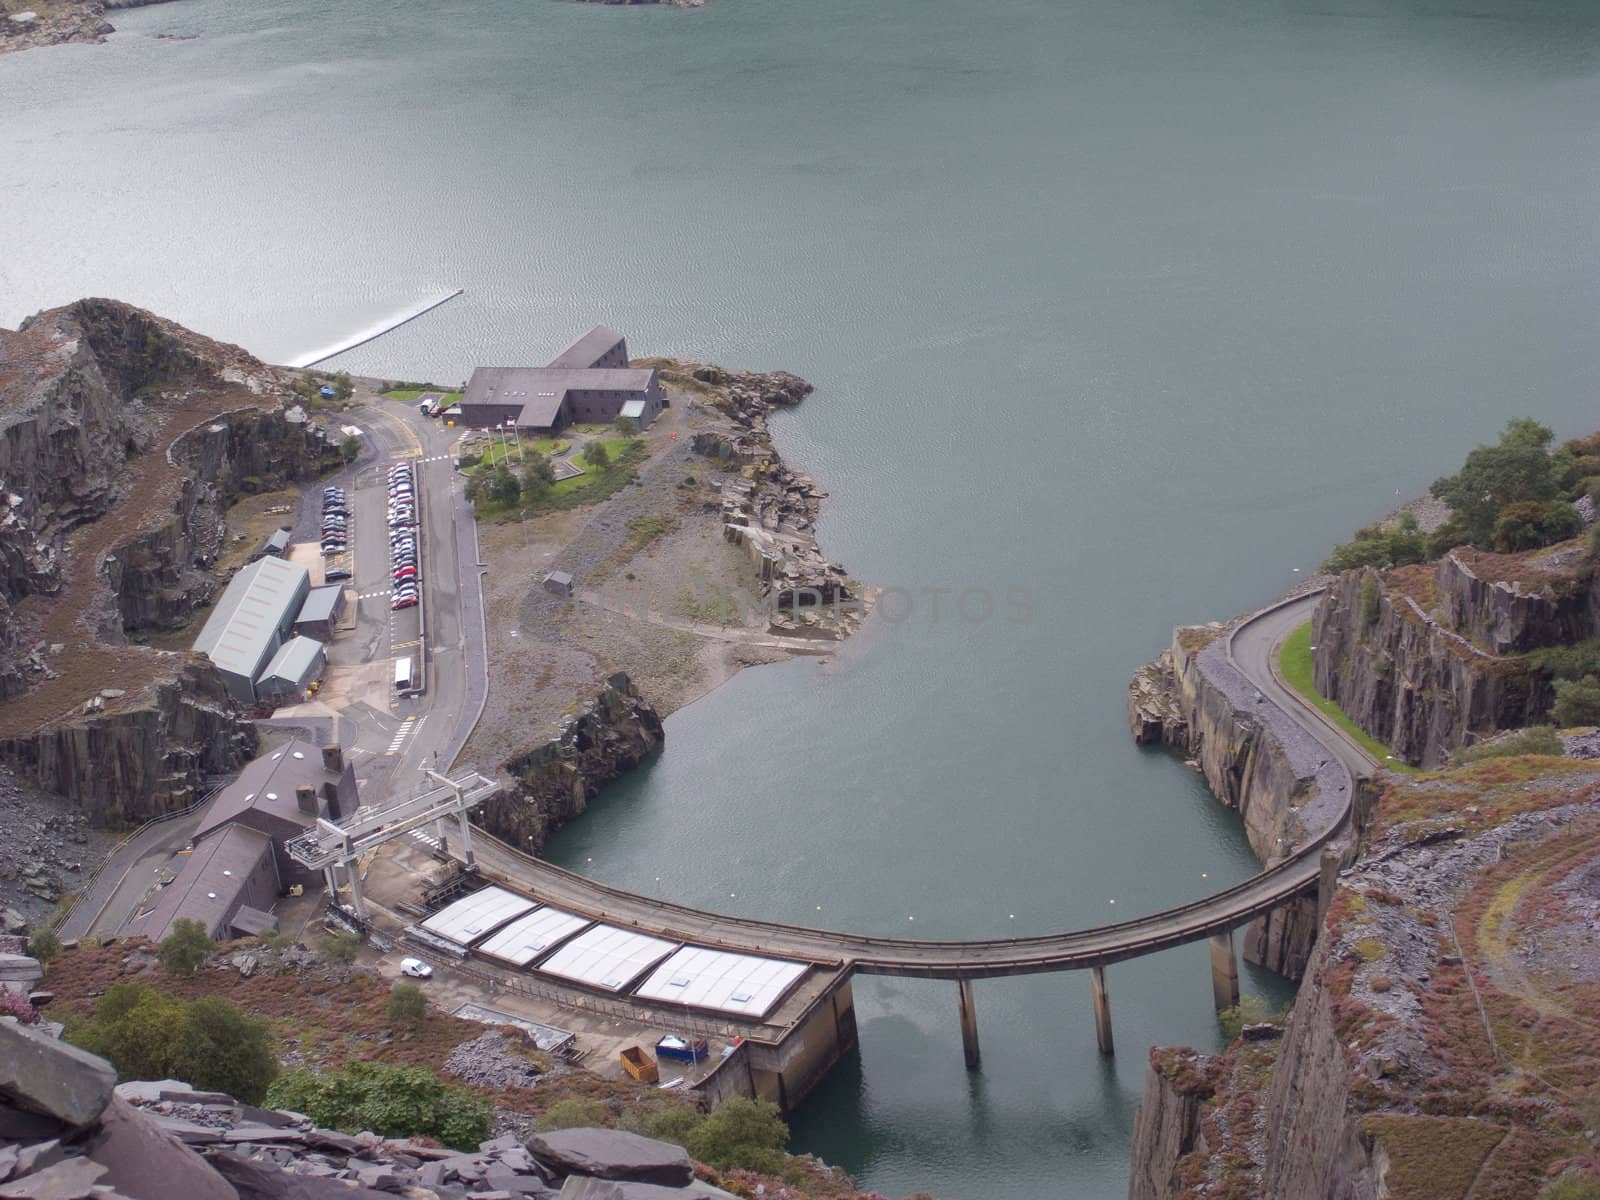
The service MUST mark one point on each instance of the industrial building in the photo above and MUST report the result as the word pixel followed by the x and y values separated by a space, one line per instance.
pixel 298 663
pixel 238 866
pixel 320 613
pixel 252 619
pixel 589 382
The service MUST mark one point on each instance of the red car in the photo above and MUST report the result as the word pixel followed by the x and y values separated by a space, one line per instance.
pixel 403 602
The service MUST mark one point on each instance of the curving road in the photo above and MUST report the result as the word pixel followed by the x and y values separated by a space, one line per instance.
pixel 1251 650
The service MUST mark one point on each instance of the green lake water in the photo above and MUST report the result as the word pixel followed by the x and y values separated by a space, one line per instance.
pixel 1118 312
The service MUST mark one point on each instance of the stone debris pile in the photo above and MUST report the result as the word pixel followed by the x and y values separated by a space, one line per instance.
pixel 69 1131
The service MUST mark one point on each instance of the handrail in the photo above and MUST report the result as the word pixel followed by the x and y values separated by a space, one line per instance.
pixel 873 954
pixel 60 918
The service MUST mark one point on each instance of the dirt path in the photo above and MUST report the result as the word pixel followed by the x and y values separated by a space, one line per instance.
pixel 82 617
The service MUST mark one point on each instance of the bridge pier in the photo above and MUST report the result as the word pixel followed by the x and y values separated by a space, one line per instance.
pixel 1102 1010
pixel 1224 971
pixel 969 1024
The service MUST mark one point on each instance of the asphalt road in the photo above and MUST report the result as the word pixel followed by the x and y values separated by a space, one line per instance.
pixel 1336 760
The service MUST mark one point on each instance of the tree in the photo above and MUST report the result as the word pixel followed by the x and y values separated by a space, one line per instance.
pixel 741 1133
pixel 350 448
pixel 407 1006
pixel 396 1102
pixel 1251 1010
pixel 139 1029
pixel 596 455
pixel 1577 702
pixel 537 475
pixel 225 1051
pixel 503 487
pixel 1519 467
pixel 626 426
pixel 44 945
pixel 185 950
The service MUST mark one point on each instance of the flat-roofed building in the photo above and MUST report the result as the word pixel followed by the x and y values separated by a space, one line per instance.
pixel 734 983
pixel 471 917
pixel 321 612
pixel 251 620
pixel 526 938
pixel 298 662
pixel 589 382
pixel 607 957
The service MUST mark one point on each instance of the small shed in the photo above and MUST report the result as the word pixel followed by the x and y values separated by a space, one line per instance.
pixel 276 545
pixel 320 613
pixel 559 583
pixel 297 663
pixel 636 411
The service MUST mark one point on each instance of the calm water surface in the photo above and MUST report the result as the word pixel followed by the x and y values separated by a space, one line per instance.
pixel 1120 308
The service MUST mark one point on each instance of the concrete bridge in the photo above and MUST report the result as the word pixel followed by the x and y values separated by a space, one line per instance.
pixel 1251 648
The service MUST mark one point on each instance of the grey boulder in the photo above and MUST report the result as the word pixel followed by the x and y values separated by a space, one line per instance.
pixel 53 1077
pixel 613 1154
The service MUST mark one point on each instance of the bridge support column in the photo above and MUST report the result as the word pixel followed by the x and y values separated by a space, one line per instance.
pixel 969 1024
pixel 333 885
pixel 353 870
pixel 1102 1010
pixel 1224 971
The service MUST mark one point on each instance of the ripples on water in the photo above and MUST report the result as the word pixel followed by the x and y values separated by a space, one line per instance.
pixel 1132 307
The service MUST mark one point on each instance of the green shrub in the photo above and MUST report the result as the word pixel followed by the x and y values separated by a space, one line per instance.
pixel 1370 607
pixel 596 455
pixel 396 1102
pixel 185 950
pixel 44 945
pixel 1251 1010
pixel 574 1113
pixel 1572 661
pixel 1577 702
pixel 741 1133
pixel 225 1051
pixel 467 461
pixel 341 948
pixel 1381 546
pixel 149 1035
pixel 1592 544
pixel 1536 739
pixel 1572 1187
pixel 407 1006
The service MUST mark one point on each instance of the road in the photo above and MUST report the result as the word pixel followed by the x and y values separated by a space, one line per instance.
pixel 1251 648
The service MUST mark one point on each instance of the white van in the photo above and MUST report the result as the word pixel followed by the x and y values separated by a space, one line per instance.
pixel 402 674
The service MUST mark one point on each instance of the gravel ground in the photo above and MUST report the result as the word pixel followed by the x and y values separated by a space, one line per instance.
pixel 547 654
pixel 47 850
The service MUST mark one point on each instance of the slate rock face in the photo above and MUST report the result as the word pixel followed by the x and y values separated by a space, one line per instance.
pixel 53 1078
pixel 613 1154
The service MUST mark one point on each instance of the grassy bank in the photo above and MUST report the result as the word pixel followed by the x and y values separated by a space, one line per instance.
pixel 1294 660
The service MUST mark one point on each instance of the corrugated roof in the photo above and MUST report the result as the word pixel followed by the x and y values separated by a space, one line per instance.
pixel 735 983
pixel 588 349
pixel 294 661
pixel 241 629
pixel 469 918
pixel 320 604
pixel 522 941
pixel 606 957
pixel 634 409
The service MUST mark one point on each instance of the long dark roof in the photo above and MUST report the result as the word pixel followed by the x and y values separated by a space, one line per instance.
pixel 588 349
pixel 268 785
pixel 209 881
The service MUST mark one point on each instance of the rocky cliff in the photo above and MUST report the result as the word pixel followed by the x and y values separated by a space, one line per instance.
pixel 1426 658
pixel 1438 1047
pixel 25 25
pixel 123 437
pixel 1254 758
pixel 553 783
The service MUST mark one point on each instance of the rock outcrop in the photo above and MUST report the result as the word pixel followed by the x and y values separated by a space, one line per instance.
pixel 123 438
pixel 1255 759
pixel 551 784
pixel 1400 670
pixel 769 509
pixel 76 21
pixel 69 1132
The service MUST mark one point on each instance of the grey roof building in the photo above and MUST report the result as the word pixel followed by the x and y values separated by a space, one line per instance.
pixel 251 620
pixel 283 793
pixel 590 382
pixel 321 612
pixel 228 883
pixel 285 679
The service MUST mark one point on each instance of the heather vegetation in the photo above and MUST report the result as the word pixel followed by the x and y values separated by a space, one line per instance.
pixel 392 1101
pixel 1514 495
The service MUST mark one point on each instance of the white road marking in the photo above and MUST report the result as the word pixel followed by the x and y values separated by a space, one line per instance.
pixel 400 735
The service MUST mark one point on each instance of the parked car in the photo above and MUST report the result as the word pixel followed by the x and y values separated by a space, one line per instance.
pixel 337 575
pixel 400 602
pixel 415 968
